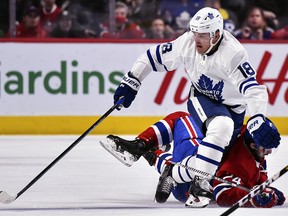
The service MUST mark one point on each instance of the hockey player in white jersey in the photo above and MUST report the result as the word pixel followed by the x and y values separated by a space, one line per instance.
pixel 223 87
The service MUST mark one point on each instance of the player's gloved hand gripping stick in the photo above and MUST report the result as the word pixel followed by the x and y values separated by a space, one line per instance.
pixel 6 198
pixel 256 191
pixel 128 89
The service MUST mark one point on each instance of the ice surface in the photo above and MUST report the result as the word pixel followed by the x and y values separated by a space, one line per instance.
pixel 90 181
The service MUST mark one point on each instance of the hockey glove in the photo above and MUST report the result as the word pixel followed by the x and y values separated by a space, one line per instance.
pixel 263 131
pixel 128 89
pixel 266 199
pixel 280 196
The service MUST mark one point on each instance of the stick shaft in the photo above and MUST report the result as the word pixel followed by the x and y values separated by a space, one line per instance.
pixel 255 191
pixel 118 104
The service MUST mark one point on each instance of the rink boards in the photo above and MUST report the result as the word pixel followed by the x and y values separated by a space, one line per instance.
pixel 62 87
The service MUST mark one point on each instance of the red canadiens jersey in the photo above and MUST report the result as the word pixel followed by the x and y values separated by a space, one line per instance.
pixel 50 16
pixel 239 167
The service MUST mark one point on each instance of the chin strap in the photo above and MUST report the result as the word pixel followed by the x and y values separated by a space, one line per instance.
pixel 211 44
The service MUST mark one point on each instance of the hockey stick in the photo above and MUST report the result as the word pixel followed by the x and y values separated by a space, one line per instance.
pixel 256 191
pixel 6 198
pixel 205 174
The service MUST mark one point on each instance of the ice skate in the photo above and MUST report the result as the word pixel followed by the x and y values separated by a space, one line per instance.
pixel 118 152
pixel 165 185
pixel 136 147
pixel 125 150
pixel 200 193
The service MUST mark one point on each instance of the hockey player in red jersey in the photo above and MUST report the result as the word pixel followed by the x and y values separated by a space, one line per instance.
pixel 245 164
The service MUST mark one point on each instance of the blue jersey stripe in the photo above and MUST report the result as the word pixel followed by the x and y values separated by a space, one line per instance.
pixel 159 59
pixel 162 159
pixel 151 60
pixel 250 85
pixel 220 187
pixel 187 170
pixel 163 132
pixel 158 54
pixel 209 160
pixel 179 174
pixel 245 82
pixel 210 145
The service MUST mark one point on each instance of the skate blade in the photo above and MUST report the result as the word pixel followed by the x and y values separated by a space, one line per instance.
pixel 123 156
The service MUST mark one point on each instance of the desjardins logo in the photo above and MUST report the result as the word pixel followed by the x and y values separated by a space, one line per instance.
pixel 66 80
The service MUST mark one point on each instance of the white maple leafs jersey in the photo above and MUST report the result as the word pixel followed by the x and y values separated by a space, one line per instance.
pixel 225 75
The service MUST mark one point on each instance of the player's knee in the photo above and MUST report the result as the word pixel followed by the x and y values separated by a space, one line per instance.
pixel 220 130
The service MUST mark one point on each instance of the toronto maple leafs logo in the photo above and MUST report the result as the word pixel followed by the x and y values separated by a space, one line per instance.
pixel 211 16
pixel 205 86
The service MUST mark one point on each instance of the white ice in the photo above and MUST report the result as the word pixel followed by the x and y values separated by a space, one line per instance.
pixel 90 181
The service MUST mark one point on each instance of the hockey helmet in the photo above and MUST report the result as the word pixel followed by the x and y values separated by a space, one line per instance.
pixel 207 20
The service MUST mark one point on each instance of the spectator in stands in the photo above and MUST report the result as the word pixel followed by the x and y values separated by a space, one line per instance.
pixel 255 26
pixel 49 13
pixel 67 28
pixel 271 10
pixel 142 12
pixel 177 13
pixel 85 15
pixel 124 28
pixel 158 30
pixel 30 25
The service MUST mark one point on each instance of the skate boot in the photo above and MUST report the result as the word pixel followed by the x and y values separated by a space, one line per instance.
pixel 200 193
pixel 165 185
pixel 135 147
pixel 125 151
pixel 118 152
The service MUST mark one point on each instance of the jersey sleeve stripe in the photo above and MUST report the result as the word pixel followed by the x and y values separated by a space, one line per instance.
pixel 151 60
pixel 245 82
pixel 158 54
pixel 219 189
pixel 250 85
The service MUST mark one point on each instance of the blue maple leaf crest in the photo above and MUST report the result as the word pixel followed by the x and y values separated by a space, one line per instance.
pixel 205 86
pixel 210 15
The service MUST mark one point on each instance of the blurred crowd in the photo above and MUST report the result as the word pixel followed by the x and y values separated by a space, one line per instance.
pixel 151 19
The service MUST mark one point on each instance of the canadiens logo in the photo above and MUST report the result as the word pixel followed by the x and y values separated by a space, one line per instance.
pixel 205 86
